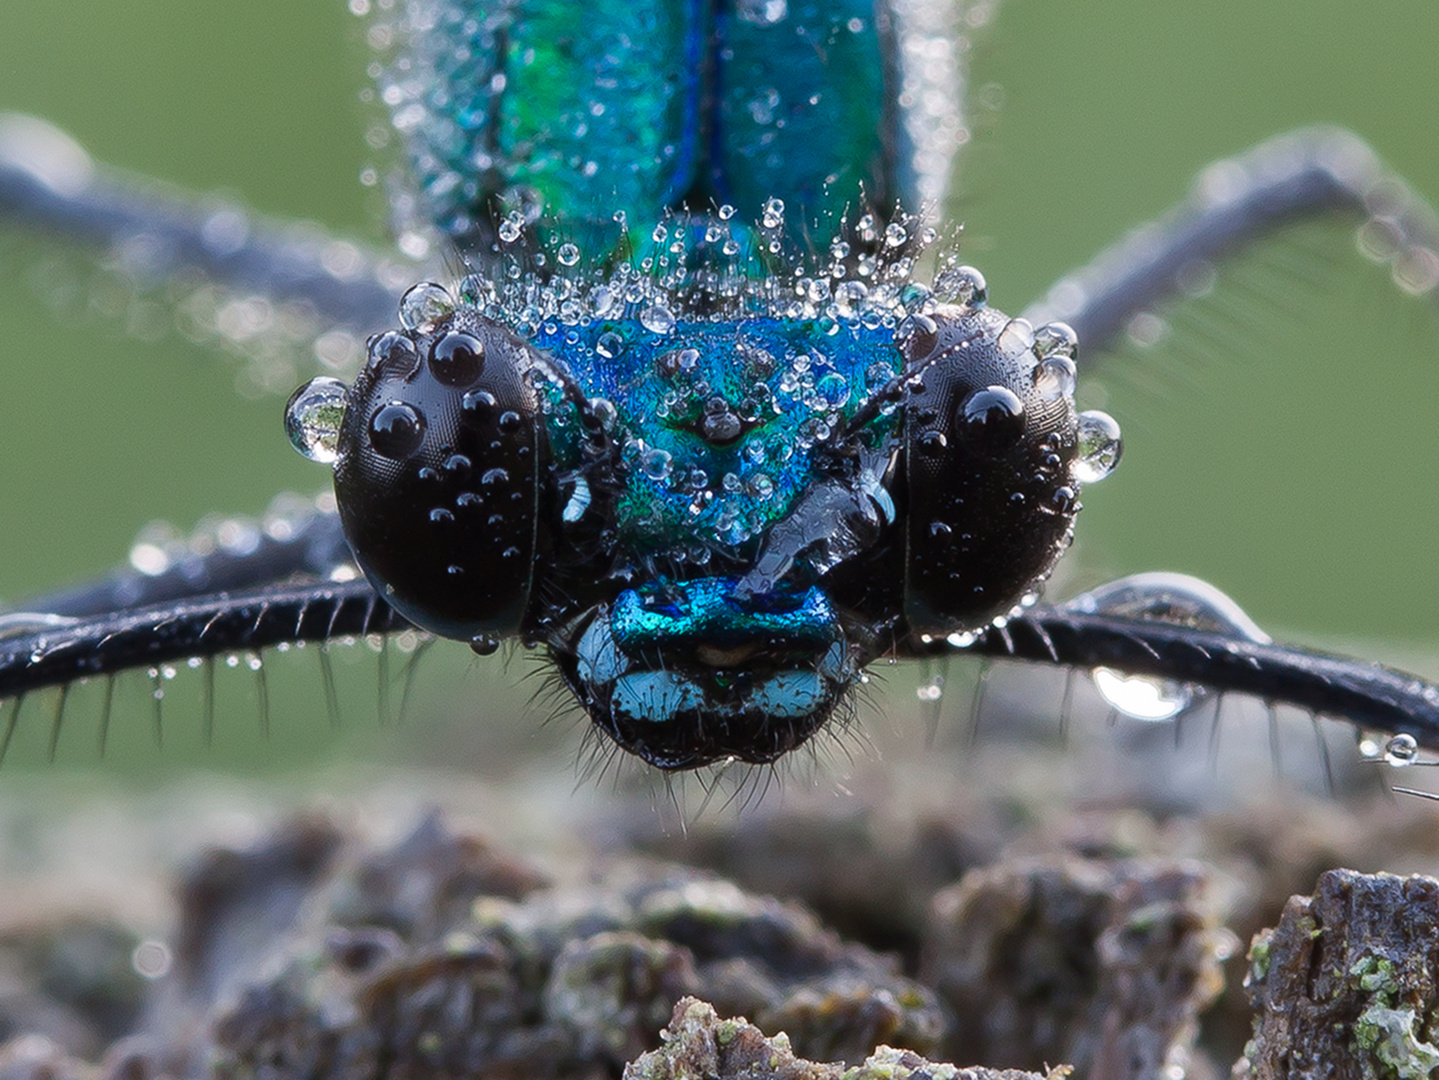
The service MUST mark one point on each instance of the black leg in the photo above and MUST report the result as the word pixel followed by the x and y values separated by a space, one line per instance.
pixel 50 185
pixel 1170 627
pixel 242 555
pixel 39 650
pixel 1310 173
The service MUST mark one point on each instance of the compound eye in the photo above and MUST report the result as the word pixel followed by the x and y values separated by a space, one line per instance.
pixel 440 451
pixel 990 439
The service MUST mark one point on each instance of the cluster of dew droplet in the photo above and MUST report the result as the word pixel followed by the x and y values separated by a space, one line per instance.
pixel 434 76
pixel 711 267
pixel 866 277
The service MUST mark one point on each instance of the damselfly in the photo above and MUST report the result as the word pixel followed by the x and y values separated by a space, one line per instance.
pixel 1060 163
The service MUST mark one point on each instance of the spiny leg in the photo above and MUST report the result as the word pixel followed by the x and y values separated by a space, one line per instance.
pixel 50 185
pixel 244 554
pixel 55 651
pixel 1167 640
pixel 1305 174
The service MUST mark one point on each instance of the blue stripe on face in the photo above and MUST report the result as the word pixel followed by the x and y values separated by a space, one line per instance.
pixel 706 611
pixel 790 694
pixel 655 696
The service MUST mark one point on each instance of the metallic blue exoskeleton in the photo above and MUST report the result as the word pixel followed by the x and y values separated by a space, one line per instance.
pixel 719 466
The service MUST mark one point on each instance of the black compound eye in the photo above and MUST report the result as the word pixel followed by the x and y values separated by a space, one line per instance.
pixel 990 420
pixel 989 498
pixel 441 452
pixel 397 430
pixel 457 358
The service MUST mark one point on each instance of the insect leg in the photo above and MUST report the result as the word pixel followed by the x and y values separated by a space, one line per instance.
pixel 38 651
pixel 1165 632
pixel 49 184
pixel 1309 173
pixel 281 547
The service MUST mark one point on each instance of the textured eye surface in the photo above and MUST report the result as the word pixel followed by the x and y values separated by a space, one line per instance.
pixel 990 437
pixel 440 456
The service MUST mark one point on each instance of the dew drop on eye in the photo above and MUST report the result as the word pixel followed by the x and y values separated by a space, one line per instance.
pixel 962 285
pixel 1017 338
pixel 397 430
pixel 425 305
pixel 1054 377
pixel 1100 447
pixel 313 416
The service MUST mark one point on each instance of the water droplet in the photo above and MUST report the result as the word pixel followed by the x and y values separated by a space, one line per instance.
pixel 313 416
pixel 1016 339
pixel 1054 378
pixel 833 390
pixel 151 959
pixel 773 215
pixel 477 404
pixel 1100 447
pixel 484 645
pixel 962 285
pixel 1141 697
pixel 392 353
pixel 457 358
pixel 849 297
pixel 655 463
pixel 478 291
pixel 512 226
pixel 657 319
pixel 424 306
pixel 917 336
pixel 915 297
pixel 762 12
pixel 895 235
pixel 991 420
pixel 568 254
pixel 604 412
pixel 1401 750
pixel 397 430
pixel 720 424
pixel 609 345
pixel 1055 339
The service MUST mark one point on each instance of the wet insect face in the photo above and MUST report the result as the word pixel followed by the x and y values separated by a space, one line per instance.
pixel 719 467
pixel 712 525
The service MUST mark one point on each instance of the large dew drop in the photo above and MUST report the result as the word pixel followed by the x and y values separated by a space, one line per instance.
pixel 1141 697
pixel 962 285
pixel 424 305
pixel 313 416
pixel 1100 447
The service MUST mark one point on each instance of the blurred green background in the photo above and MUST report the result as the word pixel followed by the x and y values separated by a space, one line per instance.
pixel 1293 464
